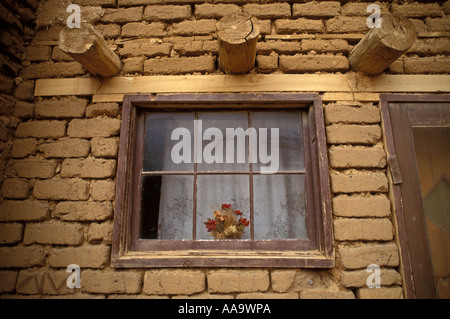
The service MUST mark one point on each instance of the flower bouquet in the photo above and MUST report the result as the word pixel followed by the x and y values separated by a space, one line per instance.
pixel 227 223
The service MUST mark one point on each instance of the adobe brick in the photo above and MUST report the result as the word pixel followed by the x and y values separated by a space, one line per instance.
pixel 198 27
pixel 167 12
pixel 88 168
pixel 269 10
pixel 298 280
pixel 24 90
pixel 316 9
pixel 361 206
pixel 103 190
pixel 52 70
pixel 354 229
pixel 417 10
pixel 439 24
pixel 38 53
pixel 105 147
pixel 22 256
pixel 145 49
pixel 173 282
pixel 353 134
pixel 380 293
pixel 46 282
pixel 15 188
pixel 343 24
pixel 67 147
pixel 87 256
pixel 354 181
pixel 267 63
pixel 103 109
pixel 24 110
pixel 42 129
pixel 24 147
pixel 95 127
pixel 111 282
pixel 237 280
pixel 83 211
pixel 133 65
pixel 54 233
pixel 10 233
pixel 336 113
pixel 180 65
pixel 63 108
pixel 333 45
pixel 357 156
pixel 123 15
pixel 100 233
pixel 431 46
pixel 286 47
pixel 313 63
pixel 34 168
pixel 358 278
pixel 287 26
pixel 59 55
pixel 426 65
pixel 360 9
pixel 109 31
pixel 8 280
pixel 27 210
pixel 143 29
pixel 362 255
pixel 215 11
pixel 61 189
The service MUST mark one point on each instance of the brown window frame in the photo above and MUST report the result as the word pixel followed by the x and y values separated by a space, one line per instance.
pixel 130 251
pixel 405 187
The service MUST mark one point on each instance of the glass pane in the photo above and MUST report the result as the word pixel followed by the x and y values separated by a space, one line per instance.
pixel 161 153
pixel 218 146
pixel 167 207
pixel 432 148
pixel 290 143
pixel 279 204
pixel 215 190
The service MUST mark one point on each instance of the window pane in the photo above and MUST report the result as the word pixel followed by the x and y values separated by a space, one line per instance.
pixel 159 145
pixel 215 190
pixel 290 140
pixel 279 204
pixel 216 141
pixel 167 207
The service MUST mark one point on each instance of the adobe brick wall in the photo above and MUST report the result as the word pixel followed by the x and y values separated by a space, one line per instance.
pixel 59 155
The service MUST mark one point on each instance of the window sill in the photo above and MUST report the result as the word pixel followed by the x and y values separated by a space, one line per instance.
pixel 224 258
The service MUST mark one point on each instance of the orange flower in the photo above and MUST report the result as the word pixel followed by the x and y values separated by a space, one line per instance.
pixel 218 215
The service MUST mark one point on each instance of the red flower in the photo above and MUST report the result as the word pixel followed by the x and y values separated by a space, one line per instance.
pixel 211 225
pixel 238 212
pixel 244 222
pixel 225 206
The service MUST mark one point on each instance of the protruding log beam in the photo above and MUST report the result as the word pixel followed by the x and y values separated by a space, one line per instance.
pixel 87 46
pixel 382 46
pixel 237 34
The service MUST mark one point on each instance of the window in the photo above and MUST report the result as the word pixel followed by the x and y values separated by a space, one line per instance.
pixel 188 162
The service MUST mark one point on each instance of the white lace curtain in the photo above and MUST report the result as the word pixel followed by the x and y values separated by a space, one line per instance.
pixel 278 199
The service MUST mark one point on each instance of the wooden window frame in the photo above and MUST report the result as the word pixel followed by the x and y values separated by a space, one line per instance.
pixel 319 253
pixel 403 175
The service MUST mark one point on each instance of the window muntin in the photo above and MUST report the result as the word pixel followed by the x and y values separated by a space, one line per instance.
pixel 177 198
